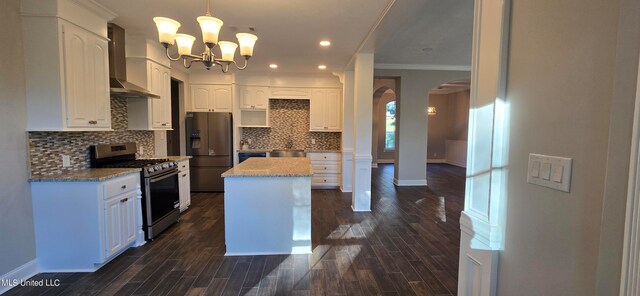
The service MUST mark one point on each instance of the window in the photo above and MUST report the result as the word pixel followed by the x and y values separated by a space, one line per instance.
pixel 390 127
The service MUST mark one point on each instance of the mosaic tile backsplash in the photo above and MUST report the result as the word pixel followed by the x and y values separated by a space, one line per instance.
pixel 46 148
pixel 289 121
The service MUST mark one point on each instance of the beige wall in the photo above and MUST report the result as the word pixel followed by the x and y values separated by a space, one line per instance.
pixel 563 100
pixel 451 122
pixel 17 245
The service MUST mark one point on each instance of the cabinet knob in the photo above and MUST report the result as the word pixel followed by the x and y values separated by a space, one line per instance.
pixel 325 168
pixel 124 199
pixel 124 186
pixel 93 122
pixel 184 175
pixel 164 124
pixel 325 127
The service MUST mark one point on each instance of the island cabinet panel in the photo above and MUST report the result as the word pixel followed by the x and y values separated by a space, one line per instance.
pixel 267 206
pixel 184 184
pixel 82 225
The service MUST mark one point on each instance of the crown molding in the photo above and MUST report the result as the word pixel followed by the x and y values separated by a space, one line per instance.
pixel 422 67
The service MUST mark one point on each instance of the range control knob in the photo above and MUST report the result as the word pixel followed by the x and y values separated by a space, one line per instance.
pixel 170 164
pixel 158 168
pixel 150 170
pixel 164 166
pixel 175 163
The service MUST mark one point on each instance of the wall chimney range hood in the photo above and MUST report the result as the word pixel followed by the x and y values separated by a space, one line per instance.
pixel 119 85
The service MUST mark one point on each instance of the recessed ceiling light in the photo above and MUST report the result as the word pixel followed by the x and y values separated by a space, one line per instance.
pixel 325 43
pixel 322 67
pixel 273 66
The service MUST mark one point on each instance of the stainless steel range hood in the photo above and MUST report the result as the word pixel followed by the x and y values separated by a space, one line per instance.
pixel 118 68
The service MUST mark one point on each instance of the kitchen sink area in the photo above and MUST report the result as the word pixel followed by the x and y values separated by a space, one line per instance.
pixel 288 153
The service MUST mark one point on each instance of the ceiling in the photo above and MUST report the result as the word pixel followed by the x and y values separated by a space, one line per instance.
pixel 289 30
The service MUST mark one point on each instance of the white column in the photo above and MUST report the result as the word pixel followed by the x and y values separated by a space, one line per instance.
pixel 483 220
pixel 347 131
pixel 362 120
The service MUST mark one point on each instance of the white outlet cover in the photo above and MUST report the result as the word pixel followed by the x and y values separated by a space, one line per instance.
pixel 66 161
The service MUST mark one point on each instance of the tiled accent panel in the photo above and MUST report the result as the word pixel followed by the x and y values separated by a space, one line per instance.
pixel 289 121
pixel 46 148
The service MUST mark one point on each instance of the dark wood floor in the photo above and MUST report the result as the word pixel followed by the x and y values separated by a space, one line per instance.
pixel 407 245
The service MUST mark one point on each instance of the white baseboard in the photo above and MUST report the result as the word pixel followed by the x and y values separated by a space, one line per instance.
pixel 462 165
pixel 409 182
pixel 436 160
pixel 19 274
pixel 386 160
pixel 346 189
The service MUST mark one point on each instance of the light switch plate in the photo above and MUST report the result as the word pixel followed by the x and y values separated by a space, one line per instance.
pixel 550 171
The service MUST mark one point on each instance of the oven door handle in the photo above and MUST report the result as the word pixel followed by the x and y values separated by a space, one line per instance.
pixel 158 178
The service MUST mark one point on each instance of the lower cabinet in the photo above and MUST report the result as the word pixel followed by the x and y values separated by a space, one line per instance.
pixel 120 222
pixel 326 169
pixel 184 184
pixel 81 225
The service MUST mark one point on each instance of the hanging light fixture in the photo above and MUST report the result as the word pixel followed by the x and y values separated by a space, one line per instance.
pixel 210 26
pixel 431 110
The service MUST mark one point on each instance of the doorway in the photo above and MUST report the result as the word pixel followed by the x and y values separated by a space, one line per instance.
pixel 173 136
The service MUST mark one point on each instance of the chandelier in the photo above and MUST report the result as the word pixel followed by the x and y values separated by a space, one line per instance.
pixel 210 26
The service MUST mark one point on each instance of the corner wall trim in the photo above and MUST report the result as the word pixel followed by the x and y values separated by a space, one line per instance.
pixel 409 182
pixel 19 274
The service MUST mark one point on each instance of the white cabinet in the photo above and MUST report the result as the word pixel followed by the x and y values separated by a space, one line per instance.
pixel 82 225
pixel 67 84
pixel 149 114
pixel 326 169
pixel 120 222
pixel 184 184
pixel 211 98
pixel 254 97
pixel 326 110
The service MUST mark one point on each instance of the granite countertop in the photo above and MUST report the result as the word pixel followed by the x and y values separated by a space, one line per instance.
pixel 272 167
pixel 85 175
pixel 176 158
pixel 305 150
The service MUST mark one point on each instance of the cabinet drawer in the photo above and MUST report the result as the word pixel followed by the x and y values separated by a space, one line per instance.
pixel 326 168
pixel 121 185
pixel 183 165
pixel 324 156
pixel 328 180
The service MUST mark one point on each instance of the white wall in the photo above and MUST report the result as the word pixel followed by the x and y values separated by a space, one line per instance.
pixel 16 217
pixel 412 124
pixel 562 81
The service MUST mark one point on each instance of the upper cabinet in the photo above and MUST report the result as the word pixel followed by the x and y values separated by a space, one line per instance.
pixel 67 85
pixel 326 110
pixel 254 97
pixel 149 114
pixel 211 98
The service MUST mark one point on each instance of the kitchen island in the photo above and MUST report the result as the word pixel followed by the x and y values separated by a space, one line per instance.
pixel 267 206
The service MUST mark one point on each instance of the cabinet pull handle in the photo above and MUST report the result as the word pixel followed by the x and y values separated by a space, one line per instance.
pixel 124 199
pixel 164 124
pixel 93 122
pixel 325 168
pixel 325 127
pixel 123 186
pixel 184 175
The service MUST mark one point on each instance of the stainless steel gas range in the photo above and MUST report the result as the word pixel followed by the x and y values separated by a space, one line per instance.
pixel 159 182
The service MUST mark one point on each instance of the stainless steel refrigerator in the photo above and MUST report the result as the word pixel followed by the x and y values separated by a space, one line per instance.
pixel 210 143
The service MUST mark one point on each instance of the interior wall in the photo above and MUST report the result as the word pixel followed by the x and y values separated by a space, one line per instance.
pixel 16 216
pixel 438 126
pixel 560 86
pixel 620 130
pixel 411 110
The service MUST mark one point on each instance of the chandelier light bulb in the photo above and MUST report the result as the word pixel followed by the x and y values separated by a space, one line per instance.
pixel 185 42
pixel 247 41
pixel 273 66
pixel 228 50
pixel 167 29
pixel 322 67
pixel 325 43
pixel 210 27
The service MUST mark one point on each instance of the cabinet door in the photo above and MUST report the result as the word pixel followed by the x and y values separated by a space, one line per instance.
pixel 128 217
pixel 333 110
pixel 222 100
pixel 99 97
pixel 79 111
pixel 184 184
pixel 161 78
pixel 316 110
pixel 252 97
pixel 113 226
pixel 200 95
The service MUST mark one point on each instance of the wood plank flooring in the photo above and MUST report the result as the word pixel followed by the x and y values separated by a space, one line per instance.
pixel 407 245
